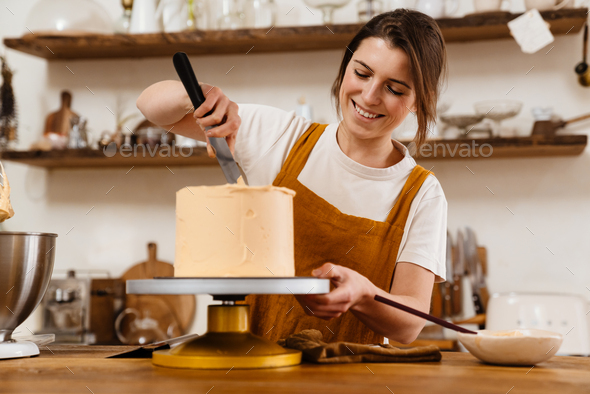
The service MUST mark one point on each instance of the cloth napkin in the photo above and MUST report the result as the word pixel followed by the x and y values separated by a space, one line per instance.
pixel 316 351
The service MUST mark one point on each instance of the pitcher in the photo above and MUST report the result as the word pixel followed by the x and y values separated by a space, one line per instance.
pixel 437 8
pixel 143 17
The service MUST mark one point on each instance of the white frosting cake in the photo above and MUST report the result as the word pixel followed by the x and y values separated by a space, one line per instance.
pixel 234 231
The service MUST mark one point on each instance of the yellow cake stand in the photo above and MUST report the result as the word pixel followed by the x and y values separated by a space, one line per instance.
pixel 228 342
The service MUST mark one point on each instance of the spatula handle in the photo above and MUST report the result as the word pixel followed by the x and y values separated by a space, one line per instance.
pixel 187 76
pixel 423 315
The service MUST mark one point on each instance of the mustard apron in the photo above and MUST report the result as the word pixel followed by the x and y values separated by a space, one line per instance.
pixel 324 234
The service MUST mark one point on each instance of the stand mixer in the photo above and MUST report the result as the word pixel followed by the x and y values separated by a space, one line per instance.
pixel 26 264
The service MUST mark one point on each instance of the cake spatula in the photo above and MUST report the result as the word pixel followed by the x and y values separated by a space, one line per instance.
pixel 189 80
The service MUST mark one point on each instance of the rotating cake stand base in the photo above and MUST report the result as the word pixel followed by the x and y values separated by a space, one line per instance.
pixel 228 342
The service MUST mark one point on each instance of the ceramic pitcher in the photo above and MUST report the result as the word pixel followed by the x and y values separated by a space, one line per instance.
pixel 437 8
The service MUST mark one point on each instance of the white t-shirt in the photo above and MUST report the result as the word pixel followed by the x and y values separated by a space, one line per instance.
pixel 267 135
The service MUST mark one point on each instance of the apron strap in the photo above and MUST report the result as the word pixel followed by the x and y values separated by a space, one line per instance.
pixel 301 150
pixel 401 210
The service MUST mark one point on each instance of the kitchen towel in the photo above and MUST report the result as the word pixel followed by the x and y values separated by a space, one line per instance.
pixel 316 351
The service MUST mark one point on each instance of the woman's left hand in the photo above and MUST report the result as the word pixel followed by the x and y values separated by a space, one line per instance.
pixel 351 289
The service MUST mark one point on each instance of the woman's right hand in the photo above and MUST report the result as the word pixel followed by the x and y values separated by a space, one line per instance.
pixel 224 115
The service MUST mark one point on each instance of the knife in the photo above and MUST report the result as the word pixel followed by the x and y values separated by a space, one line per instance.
pixel 448 286
pixel 470 257
pixel 187 76
pixel 479 275
pixel 458 273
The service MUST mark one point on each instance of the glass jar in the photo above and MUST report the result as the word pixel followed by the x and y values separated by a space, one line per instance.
pixel 259 13
pixel 367 9
pixel 231 16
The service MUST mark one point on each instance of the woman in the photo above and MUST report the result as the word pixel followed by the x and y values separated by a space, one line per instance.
pixel 363 208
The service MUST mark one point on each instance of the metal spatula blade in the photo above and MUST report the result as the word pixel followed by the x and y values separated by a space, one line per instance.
pixel 189 80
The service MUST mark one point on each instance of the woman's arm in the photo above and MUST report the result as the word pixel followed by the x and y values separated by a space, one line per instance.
pixel 412 286
pixel 167 104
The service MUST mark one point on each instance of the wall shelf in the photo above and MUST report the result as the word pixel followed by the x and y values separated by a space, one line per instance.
pixel 78 158
pixel 514 147
pixel 474 27
pixel 517 147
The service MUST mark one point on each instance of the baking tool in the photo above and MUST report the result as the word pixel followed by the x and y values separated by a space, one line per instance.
pixel 187 76
pixel 471 266
pixel 476 263
pixel 423 315
pixel 549 127
pixel 26 264
pixel 228 342
pixel 182 307
pixel 448 285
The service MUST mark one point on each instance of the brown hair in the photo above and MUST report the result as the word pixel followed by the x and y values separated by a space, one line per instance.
pixel 420 38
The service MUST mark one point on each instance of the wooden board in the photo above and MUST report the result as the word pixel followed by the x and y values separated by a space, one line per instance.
pixel 455 373
pixel 533 146
pixel 277 39
pixel 166 309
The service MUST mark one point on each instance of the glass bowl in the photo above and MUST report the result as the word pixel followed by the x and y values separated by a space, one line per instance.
pixel 497 111
pixel 68 17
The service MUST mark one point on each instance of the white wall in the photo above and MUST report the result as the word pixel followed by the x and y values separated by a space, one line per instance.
pixel 548 195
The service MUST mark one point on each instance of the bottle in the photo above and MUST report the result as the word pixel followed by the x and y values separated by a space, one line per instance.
pixel 303 109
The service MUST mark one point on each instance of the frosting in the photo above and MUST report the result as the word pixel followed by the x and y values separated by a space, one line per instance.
pixel 234 230
pixel 6 211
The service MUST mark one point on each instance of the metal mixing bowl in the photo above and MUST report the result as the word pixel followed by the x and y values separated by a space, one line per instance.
pixel 26 265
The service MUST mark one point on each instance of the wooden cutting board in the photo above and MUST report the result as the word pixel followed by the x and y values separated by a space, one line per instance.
pixel 182 307
pixel 59 122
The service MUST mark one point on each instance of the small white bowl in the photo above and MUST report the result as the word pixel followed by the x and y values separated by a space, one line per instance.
pixel 500 347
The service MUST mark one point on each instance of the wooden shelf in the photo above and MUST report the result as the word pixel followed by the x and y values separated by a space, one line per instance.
pixel 534 146
pixel 476 27
pixel 78 158
pixel 515 147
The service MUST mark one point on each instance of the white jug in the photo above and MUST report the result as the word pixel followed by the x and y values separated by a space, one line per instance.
pixel 143 17
pixel 437 8
pixel 545 5
pixel 174 15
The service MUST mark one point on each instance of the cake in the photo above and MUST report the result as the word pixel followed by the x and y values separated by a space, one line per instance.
pixel 6 211
pixel 234 230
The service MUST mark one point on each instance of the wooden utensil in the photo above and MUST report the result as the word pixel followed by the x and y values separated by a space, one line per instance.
pixel 549 127
pixel 181 306
pixel 423 315
pixel 59 122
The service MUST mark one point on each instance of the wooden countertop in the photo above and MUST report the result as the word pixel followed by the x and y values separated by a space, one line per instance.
pixel 83 369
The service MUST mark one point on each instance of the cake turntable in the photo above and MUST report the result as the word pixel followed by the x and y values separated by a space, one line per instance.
pixel 228 342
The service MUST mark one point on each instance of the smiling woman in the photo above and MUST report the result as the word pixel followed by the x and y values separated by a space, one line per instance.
pixel 411 70
pixel 363 209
